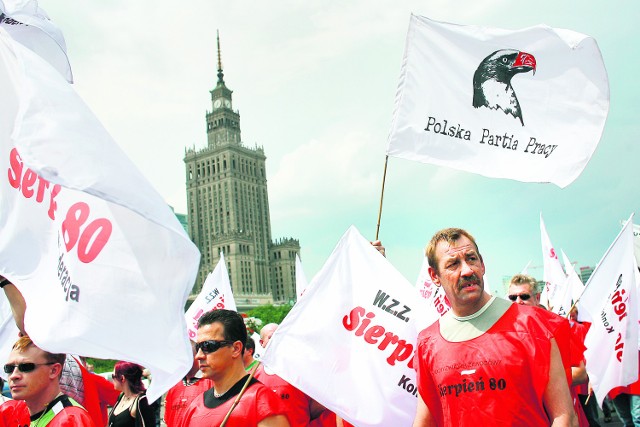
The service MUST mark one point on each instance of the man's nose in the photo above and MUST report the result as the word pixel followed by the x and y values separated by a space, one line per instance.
pixel 466 269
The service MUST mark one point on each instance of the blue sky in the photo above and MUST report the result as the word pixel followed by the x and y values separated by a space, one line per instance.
pixel 315 82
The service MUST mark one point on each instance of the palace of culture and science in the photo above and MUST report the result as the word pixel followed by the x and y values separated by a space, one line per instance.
pixel 228 210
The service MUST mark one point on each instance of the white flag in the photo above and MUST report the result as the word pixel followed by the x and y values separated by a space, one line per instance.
pixel 257 354
pixel 437 302
pixel 8 332
pixel 101 260
pixel 29 24
pixel 301 279
pixel 610 299
pixel 553 276
pixel 349 343
pixel 528 105
pixel 575 287
pixel 215 295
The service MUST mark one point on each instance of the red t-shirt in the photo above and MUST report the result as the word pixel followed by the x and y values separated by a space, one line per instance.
pixel 296 402
pixel 180 396
pixel 496 379
pixel 14 413
pixel 256 404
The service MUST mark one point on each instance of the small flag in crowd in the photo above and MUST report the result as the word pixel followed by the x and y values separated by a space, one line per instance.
pixel 553 276
pixel 215 294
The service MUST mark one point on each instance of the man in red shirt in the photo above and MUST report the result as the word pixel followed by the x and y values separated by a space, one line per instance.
pixel 180 396
pixel 486 361
pixel 220 345
pixel 34 376
pixel 302 411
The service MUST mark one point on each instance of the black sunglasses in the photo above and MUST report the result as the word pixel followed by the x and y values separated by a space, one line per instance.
pixel 523 297
pixel 211 346
pixel 24 367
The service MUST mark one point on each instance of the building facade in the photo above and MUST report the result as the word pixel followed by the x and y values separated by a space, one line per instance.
pixel 228 210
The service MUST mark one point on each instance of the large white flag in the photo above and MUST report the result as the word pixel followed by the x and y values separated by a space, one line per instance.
pixel 8 331
pixel 553 276
pixel 215 294
pixel 101 260
pixel 610 299
pixel 349 343
pixel 29 24
pixel 437 302
pixel 528 105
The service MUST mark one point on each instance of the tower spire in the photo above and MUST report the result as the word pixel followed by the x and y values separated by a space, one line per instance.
pixel 220 73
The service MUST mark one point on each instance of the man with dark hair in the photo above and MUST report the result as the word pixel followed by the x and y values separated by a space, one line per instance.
pixel 34 376
pixel 249 350
pixel 180 396
pixel 512 375
pixel 219 349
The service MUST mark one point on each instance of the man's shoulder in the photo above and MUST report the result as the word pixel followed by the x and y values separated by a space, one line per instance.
pixel 72 416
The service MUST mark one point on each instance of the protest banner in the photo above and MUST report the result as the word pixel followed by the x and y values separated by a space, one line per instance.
pixel 528 105
pixel 553 275
pixel 610 299
pixel 349 343
pixel 29 25
pixel 100 258
pixel 437 302
pixel 215 294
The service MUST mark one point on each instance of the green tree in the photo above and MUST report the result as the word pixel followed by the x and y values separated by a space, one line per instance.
pixel 270 313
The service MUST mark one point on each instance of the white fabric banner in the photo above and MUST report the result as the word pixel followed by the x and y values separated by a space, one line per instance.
pixel 29 24
pixel 610 299
pixel 301 278
pixel 528 105
pixel 8 331
pixel 101 260
pixel 349 343
pixel 437 302
pixel 553 276
pixel 215 294
pixel 572 289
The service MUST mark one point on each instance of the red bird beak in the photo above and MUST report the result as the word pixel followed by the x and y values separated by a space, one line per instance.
pixel 525 60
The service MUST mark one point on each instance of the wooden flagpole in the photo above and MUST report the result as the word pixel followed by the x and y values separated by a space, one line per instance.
pixel 384 177
pixel 235 402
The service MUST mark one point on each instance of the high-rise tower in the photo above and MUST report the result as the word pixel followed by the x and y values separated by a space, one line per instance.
pixel 228 209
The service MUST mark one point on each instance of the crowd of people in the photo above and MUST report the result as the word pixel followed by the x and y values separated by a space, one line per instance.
pixel 487 361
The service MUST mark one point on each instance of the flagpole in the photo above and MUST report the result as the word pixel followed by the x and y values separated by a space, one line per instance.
pixel 235 402
pixel 384 176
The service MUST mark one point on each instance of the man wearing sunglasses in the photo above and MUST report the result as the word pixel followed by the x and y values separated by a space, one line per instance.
pixel 34 376
pixel 524 290
pixel 219 349
pixel 486 361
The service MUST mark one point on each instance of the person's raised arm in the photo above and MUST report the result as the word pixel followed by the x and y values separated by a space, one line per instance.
pixel 556 397
pixel 18 304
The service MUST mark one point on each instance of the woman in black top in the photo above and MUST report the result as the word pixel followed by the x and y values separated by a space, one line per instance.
pixel 132 408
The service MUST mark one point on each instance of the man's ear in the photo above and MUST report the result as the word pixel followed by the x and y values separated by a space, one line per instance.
pixel 434 276
pixel 237 348
pixel 56 369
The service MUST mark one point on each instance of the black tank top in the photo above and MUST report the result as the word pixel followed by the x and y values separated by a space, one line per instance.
pixel 124 418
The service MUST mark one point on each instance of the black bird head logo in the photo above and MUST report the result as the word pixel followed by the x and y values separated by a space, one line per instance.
pixel 492 80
